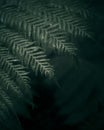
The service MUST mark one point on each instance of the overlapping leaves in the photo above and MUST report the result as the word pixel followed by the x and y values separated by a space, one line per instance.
pixel 27 30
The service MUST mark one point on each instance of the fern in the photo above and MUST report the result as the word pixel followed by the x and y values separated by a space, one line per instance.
pixel 38 29
pixel 67 20
pixel 29 54
pixel 27 31
pixel 12 66
pixel 8 84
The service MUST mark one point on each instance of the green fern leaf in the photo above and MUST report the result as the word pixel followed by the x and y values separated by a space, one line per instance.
pixel 63 17
pixel 68 22
pixel 38 29
pixel 17 72
pixel 9 85
pixel 32 56
pixel 15 93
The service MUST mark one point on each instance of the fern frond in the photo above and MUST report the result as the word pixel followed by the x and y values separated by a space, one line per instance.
pixel 17 72
pixel 14 92
pixel 67 20
pixel 37 28
pixel 12 66
pixel 32 56
pixel 9 85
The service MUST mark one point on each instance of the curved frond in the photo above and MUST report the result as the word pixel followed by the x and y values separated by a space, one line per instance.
pixel 17 71
pixel 65 17
pixel 38 29
pixel 32 56
pixel 68 21
pixel 9 85
pixel 14 92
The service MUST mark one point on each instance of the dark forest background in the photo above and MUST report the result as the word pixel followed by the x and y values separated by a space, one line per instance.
pixel 79 101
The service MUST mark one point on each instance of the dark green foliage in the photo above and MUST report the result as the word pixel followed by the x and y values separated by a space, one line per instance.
pixel 29 32
pixel 65 17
